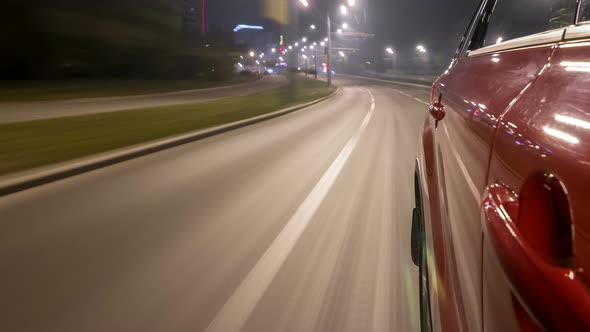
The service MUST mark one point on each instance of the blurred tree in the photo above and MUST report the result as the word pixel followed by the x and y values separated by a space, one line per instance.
pixel 108 38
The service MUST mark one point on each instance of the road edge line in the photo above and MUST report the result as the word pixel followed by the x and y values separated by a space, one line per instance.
pixel 49 174
pixel 423 86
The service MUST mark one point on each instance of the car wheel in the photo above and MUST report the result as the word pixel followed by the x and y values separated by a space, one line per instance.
pixel 425 320
pixel 419 257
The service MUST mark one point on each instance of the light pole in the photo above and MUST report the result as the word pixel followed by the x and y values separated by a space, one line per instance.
pixel 390 51
pixel 328 58
pixel 315 63
pixel 343 11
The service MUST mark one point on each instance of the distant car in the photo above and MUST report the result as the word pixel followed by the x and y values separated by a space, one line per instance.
pixel 501 228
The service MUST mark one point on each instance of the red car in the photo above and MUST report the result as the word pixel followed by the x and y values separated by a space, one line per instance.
pixel 501 228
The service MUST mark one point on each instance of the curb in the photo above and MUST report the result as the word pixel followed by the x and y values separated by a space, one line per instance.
pixel 423 86
pixel 64 170
pixel 147 95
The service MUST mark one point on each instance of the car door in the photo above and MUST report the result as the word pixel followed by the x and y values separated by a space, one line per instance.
pixel 498 62
pixel 537 216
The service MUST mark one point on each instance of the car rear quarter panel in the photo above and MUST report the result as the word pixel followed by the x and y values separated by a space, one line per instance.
pixel 475 92
pixel 548 130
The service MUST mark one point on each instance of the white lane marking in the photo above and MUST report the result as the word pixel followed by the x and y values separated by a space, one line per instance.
pixel 238 308
pixel 410 96
pixel 420 101
pixel 423 86
pixel 472 186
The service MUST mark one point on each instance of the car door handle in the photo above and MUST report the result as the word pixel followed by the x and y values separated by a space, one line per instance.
pixel 556 295
pixel 437 109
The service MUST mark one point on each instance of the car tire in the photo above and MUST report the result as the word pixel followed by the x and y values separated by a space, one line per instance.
pixel 419 257
pixel 424 282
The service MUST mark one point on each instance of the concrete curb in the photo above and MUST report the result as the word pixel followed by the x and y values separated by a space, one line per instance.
pixel 423 86
pixel 37 177
pixel 139 96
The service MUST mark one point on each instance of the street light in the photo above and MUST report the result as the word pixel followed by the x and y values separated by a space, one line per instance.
pixel 312 27
pixel 351 3
pixel 390 51
pixel 421 49
pixel 345 25
pixel 296 44
pixel 252 54
pixel 339 31
pixel 274 50
pixel 304 39
pixel 304 3
pixel 343 10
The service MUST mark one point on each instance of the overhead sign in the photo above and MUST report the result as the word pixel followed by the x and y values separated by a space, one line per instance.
pixel 247 27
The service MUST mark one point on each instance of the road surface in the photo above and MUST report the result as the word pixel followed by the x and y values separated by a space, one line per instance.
pixel 23 111
pixel 300 223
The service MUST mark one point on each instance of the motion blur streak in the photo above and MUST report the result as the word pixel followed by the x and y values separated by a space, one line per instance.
pixel 237 309
pixel 161 243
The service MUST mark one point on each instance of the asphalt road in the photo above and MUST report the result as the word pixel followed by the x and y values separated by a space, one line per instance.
pixel 300 223
pixel 23 111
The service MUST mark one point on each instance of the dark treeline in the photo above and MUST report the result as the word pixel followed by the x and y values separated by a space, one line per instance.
pixel 107 38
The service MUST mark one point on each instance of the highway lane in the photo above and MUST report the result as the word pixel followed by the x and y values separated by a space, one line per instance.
pixel 23 111
pixel 300 223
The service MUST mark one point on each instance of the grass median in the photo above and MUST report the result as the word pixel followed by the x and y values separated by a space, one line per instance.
pixel 62 90
pixel 31 144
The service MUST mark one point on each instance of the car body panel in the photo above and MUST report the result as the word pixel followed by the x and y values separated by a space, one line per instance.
pixel 475 93
pixel 546 130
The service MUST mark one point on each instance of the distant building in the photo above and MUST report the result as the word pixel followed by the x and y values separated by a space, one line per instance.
pixel 190 12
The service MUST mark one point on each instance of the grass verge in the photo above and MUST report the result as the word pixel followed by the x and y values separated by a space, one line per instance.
pixel 62 90
pixel 30 144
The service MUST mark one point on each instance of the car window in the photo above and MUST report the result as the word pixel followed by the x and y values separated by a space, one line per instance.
pixel 584 11
pixel 518 18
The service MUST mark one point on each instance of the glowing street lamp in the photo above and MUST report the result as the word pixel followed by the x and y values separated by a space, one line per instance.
pixel 343 10
pixel 304 3
pixel 304 39
pixel 312 27
pixel 345 25
pixel 389 50
pixel 351 3
pixel 252 54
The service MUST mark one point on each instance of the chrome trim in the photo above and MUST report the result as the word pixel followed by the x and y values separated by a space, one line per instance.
pixel 547 37
pixel 578 32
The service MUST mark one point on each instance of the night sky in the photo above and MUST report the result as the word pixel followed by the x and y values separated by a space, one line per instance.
pixel 438 24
